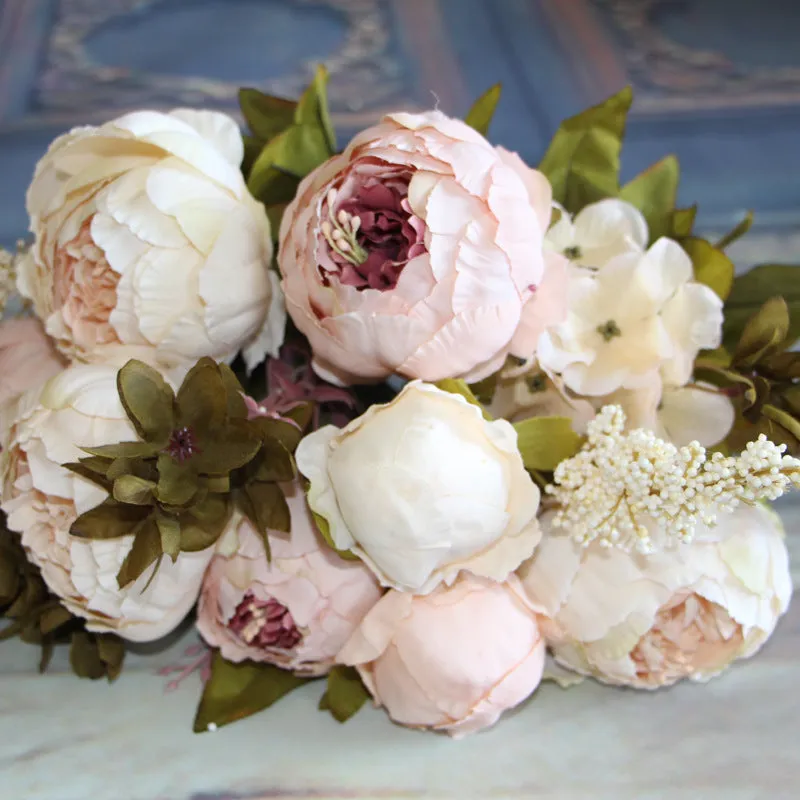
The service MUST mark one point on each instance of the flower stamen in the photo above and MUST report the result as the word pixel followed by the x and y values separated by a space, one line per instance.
pixel 340 231
pixel 609 330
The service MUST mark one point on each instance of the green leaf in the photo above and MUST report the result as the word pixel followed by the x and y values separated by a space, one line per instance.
pixel 683 221
pixel 202 399
pixel 288 434
pixel 236 691
pixel 298 150
pixel 145 551
pixel 84 657
pixel 123 450
pixel 276 464
pixel 205 523
pixel 177 483
pixel 271 185
pixel 266 116
pixel 740 230
pixel 134 490
pixel 234 393
pixel 480 115
pixel 751 290
pixel 169 529
pixel 582 161
pixel 111 650
pixel 312 108
pixel 764 334
pixel 654 192
pixel 267 508
pixel 711 266
pixel 53 618
pixel 345 693
pixel 544 442
pixel 109 520
pixel 301 414
pixel 89 473
pixel 458 386
pixel 324 528
pixel 237 446
pixel 148 401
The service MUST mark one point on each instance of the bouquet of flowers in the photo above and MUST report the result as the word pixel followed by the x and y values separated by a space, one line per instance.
pixel 520 424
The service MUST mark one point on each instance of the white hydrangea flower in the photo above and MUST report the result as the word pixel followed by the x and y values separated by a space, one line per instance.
pixel 640 315
pixel 598 233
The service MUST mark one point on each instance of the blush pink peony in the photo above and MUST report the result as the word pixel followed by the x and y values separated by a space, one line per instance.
pixel 453 660
pixel 27 357
pixel 295 611
pixel 415 252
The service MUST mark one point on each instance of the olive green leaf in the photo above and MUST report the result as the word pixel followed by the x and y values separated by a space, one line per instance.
pixel 133 490
pixel 266 116
pixel 265 506
pixel 484 390
pixel 148 401
pixel 236 407
pixel 711 266
pixel 683 221
pixel 544 442
pixel 236 691
pixel 145 551
pixel 312 108
pixel 176 486
pixel 169 531
pixel 751 290
pixel 480 115
pixel 109 520
pixel 764 334
pixel 96 656
pixel 203 398
pixel 345 694
pixel 740 230
pixel 582 161
pixel 324 528
pixel 654 192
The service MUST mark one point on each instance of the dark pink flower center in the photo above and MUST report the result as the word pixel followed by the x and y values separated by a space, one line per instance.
pixel 369 230
pixel 182 444
pixel 264 623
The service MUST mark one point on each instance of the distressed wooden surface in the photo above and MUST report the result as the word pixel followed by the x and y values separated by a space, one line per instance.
pixel 735 738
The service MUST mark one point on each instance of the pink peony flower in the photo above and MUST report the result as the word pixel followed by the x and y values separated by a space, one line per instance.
pixel 27 357
pixel 294 611
pixel 453 660
pixel 415 252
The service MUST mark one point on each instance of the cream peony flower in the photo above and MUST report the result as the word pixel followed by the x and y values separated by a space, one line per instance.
pixel 81 407
pixel 423 488
pixel 295 611
pixel 146 235
pixel 650 621
pixel 416 251
pixel 453 660
pixel 599 232
pixel 639 316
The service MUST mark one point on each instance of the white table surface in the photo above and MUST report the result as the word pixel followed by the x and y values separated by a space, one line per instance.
pixel 736 738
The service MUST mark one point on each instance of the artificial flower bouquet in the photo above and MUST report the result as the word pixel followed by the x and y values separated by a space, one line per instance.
pixel 520 424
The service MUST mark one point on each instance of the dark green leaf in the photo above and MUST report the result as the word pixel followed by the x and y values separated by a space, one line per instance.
pixel 169 529
pixel 122 450
pixel 268 503
pixel 109 520
pixel 764 334
pixel 177 483
pixel 146 551
pixel 237 447
pixel 288 434
pixel 654 192
pixel 203 524
pixel 202 399
pixel 711 266
pixel 276 462
pixel 301 414
pixel 233 393
pixel 737 233
pixel 148 401
pixel 236 691
pixel 134 490
pixel 544 442
pixel 582 161
pixel 345 693
pixel 265 115
pixel 751 290
pixel 84 658
pixel 111 650
pixel 480 115
pixel 53 617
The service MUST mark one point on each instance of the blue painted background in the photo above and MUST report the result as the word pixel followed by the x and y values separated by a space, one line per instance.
pixel 716 81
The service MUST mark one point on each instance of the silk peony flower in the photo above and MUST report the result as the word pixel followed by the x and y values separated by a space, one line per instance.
pixel 453 660
pixel 423 488
pixel 414 252
pixel 679 414
pixel 146 235
pixel 295 611
pixel 598 233
pixel 639 316
pixel 27 357
pixel 80 407
pixel 650 621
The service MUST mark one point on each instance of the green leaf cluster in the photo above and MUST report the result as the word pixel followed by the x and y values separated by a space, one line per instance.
pixel 37 617
pixel 287 141
pixel 238 690
pixel 763 377
pixel 198 456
